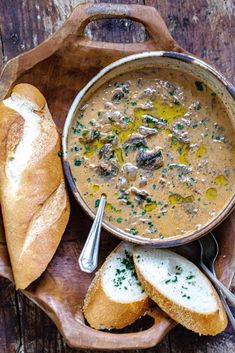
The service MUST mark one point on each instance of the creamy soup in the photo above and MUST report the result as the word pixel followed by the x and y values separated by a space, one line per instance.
pixel 160 145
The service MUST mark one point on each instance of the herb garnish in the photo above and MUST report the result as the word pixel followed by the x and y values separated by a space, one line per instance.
pixel 199 85
pixel 97 202
pixel 134 231
pixel 217 137
pixel 125 89
pixel 121 274
pixel 126 120
pixel 133 104
pixel 179 126
pixel 77 162
pixel 174 140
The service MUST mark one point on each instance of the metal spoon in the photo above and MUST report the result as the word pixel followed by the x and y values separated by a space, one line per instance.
pixel 88 259
pixel 194 252
pixel 209 252
pixel 213 250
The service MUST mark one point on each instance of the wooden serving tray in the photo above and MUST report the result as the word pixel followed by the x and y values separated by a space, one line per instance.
pixel 60 67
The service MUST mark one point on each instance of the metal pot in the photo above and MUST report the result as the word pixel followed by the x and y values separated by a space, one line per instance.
pixel 160 59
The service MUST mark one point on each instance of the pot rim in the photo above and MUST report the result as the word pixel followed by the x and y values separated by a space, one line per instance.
pixel 157 242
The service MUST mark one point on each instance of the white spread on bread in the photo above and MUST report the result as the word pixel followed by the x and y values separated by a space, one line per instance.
pixel 24 150
pixel 177 278
pixel 119 278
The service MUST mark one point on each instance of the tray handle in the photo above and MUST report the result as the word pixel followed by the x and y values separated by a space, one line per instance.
pixel 93 339
pixel 75 25
pixel 161 38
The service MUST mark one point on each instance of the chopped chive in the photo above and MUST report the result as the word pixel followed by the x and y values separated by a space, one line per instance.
pixel 77 162
pixel 180 126
pixel 134 231
pixel 125 89
pixel 199 85
pixel 97 202
pixel 174 140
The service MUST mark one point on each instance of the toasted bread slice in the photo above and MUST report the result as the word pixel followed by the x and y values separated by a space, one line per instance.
pixel 180 289
pixel 115 298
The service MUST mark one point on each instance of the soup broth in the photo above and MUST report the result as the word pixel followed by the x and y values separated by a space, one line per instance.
pixel 160 145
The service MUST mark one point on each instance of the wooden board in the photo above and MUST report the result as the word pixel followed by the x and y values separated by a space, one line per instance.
pixel 46 88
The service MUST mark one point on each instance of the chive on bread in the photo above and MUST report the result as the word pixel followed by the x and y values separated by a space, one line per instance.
pixel 180 289
pixel 115 298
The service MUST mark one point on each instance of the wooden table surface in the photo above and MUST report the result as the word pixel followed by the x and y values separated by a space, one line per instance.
pixel 203 27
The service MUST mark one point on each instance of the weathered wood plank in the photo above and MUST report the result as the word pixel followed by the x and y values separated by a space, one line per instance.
pixel 9 328
pixel 34 323
pixel 204 28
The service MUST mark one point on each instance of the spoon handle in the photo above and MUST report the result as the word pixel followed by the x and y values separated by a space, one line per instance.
pixel 88 259
pixel 227 309
pixel 229 295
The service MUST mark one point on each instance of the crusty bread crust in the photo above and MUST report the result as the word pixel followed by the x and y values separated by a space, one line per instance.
pixel 36 214
pixel 102 312
pixel 204 324
pixel 31 94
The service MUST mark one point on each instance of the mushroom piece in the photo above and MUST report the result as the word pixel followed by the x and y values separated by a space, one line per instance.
pixel 134 143
pixel 90 135
pixel 147 131
pixel 108 106
pixel 182 168
pixel 171 88
pixel 152 121
pixel 107 170
pixel 109 137
pixel 143 181
pixel 106 152
pixel 123 183
pixel 140 195
pixel 130 171
pixel 148 104
pixel 181 136
pixel 148 92
pixel 191 208
pixel 119 94
pixel 150 159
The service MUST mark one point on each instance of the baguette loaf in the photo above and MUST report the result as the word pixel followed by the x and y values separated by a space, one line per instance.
pixel 180 289
pixel 34 201
pixel 115 298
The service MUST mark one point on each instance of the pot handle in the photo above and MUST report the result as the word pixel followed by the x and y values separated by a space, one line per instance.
pixel 160 37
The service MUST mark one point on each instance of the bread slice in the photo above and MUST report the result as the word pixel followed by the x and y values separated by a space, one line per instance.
pixel 115 298
pixel 34 201
pixel 180 289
